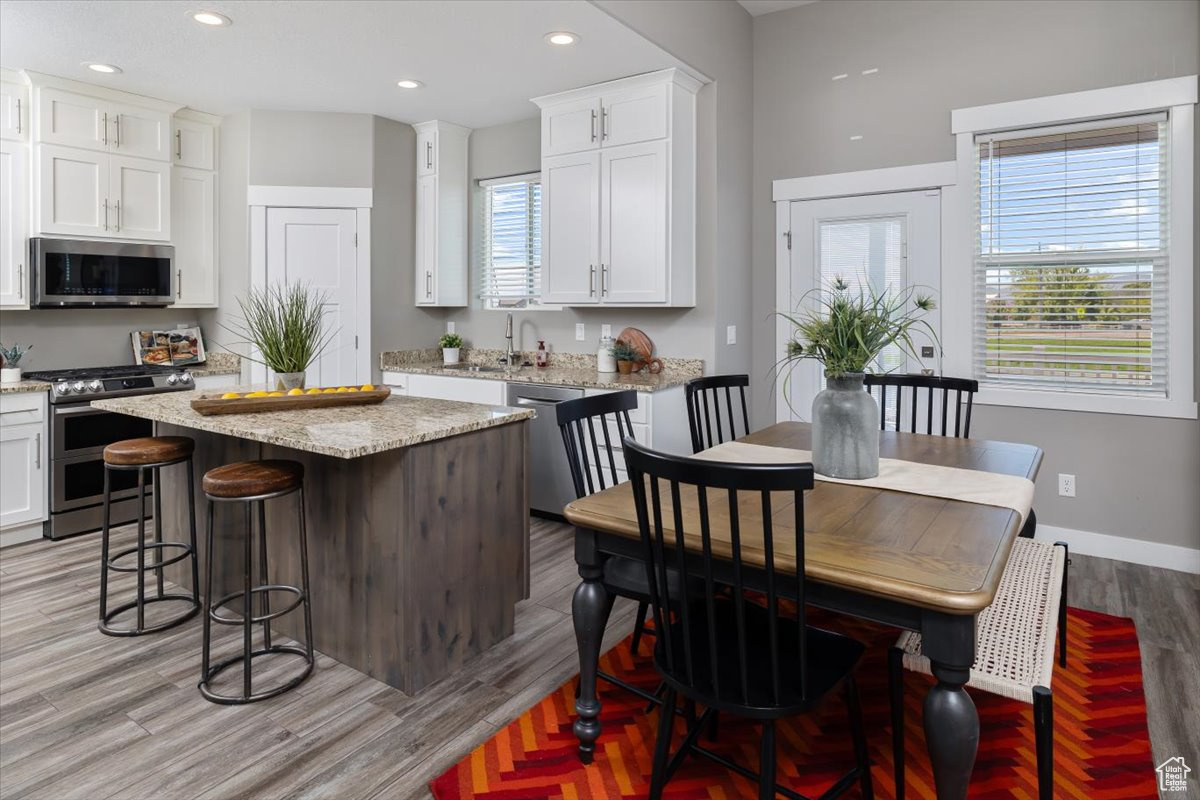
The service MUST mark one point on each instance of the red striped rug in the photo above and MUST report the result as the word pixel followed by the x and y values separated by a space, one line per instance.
pixel 1102 746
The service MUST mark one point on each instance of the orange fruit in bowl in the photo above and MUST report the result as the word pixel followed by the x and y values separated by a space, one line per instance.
pixel 313 391
pixel 330 390
pixel 341 389
pixel 274 394
pixel 366 387
pixel 294 392
pixel 352 389
pixel 230 396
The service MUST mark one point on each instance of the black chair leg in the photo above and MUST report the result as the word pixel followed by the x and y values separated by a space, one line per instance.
pixel 896 692
pixel 1062 607
pixel 1043 726
pixel 1029 529
pixel 640 623
pixel 662 745
pixel 861 756
pixel 766 762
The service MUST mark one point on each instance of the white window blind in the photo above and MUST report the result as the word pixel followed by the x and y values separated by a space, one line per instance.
pixel 1071 258
pixel 510 249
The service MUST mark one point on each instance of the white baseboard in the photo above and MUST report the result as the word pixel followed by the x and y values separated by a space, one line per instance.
pixel 19 534
pixel 1135 551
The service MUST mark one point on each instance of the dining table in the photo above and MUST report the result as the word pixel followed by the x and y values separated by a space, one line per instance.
pixel 908 560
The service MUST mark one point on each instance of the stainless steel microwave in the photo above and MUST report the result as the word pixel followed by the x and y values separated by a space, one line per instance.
pixel 79 272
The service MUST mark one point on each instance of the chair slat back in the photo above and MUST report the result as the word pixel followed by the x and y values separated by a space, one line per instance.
pixel 584 424
pixel 930 404
pixel 689 493
pixel 711 403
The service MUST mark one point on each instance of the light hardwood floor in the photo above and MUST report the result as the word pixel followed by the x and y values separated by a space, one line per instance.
pixel 84 715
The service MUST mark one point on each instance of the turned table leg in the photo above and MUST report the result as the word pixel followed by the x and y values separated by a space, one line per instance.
pixel 951 722
pixel 590 608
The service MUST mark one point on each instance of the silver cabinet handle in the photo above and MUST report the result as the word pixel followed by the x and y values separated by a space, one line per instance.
pixel 20 280
pixel 429 155
pixel 37 450
pixel 178 283
pixel 603 123
pixel 105 140
pixel 19 116
pixel 118 130
pixel 178 144
pixel 428 283
pixel 603 281
pixel 593 124
pixel 118 207
pixel 106 215
pixel 591 280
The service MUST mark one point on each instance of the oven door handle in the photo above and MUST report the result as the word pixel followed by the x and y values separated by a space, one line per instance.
pixel 63 412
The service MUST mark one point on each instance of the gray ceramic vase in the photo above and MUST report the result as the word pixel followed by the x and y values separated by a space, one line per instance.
pixel 289 380
pixel 845 430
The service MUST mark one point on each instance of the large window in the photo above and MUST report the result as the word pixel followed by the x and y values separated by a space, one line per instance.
pixel 1071 269
pixel 510 242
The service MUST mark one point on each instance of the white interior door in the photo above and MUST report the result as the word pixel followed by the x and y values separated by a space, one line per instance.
pixel 889 242
pixel 317 246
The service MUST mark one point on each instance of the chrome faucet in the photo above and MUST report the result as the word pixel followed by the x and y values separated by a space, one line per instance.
pixel 508 334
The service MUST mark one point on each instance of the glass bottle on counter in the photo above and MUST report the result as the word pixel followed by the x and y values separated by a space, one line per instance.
pixel 542 357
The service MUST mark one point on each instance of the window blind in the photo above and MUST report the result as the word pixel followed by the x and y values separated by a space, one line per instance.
pixel 510 249
pixel 1071 258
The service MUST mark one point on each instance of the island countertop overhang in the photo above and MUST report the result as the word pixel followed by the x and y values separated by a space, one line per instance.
pixel 342 432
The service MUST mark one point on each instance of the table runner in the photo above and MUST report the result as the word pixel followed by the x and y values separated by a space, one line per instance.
pixel 913 477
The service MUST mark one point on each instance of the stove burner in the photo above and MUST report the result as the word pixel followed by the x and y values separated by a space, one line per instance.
pixel 70 385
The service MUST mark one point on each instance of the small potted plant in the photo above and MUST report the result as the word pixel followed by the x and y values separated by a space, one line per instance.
pixel 845 333
pixel 450 343
pixel 626 355
pixel 11 359
pixel 285 324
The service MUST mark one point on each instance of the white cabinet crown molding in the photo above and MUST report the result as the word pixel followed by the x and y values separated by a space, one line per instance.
pixel 40 80
pixel 311 196
pixel 690 82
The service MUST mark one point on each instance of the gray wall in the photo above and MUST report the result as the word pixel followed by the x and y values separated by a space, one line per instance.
pixel 302 148
pixel 1137 477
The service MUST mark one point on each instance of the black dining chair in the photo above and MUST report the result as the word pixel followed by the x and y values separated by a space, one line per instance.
pixel 947 402
pixel 710 406
pixel 728 652
pixel 595 427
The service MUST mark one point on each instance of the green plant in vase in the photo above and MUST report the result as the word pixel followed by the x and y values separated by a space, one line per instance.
pixel 626 356
pixel 845 332
pixel 451 344
pixel 284 323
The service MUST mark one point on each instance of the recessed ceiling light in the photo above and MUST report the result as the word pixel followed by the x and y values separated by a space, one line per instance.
pixel 561 38
pixel 210 18
pixel 408 83
pixel 107 69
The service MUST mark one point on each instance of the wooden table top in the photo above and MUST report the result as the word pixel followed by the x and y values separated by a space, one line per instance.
pixel 946 555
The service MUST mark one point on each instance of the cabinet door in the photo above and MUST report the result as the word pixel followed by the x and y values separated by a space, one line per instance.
pixel 633 224
pixel 427 146
pixel 571 127
pixel 570 228
pixel 139 132
pixel 427 241
pixel 193 215
pixel 14 230
pixel 192 144
pixel 72 192
pixel 22 462
pixel 14 111
pixel 635 115
pixel 72 120
pixel 139 194
pixel 464 390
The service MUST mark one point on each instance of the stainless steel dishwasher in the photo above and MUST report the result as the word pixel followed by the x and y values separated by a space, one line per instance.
pixel 550 484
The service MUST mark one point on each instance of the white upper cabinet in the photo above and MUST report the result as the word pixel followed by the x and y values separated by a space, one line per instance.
pixel 72 193
pixel 139 193
pixel 14 228
pixel 193 232
pixel 441 215
pixel 14 111
pixel 619 192
pixel 193 144
pixel 71 119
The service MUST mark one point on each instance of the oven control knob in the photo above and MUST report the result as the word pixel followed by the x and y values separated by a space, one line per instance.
pixel 95 386
pixel 62 387
pixel 78 387
pixel 185 377
pixel 172 379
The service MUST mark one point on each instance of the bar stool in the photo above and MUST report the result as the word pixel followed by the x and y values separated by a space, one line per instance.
pixel 254 482
pixel 147 453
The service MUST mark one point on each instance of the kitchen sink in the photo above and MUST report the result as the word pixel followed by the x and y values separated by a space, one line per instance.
pixel 474 368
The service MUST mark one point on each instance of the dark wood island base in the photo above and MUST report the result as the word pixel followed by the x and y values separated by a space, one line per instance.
pixel 418 555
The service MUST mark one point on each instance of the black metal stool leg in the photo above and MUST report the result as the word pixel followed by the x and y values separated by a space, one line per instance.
pixel 247 614
pixel 308 637
pixel 141 551
pixel 158 532
pixel 104 548
pixel 262 572
pixel 208 596
pixel 191 478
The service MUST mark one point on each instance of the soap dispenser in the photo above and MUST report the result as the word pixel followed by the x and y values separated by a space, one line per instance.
pixel 542 357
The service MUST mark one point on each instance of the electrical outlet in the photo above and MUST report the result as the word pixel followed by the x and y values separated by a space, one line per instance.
pixel 605 330
pixel 1066 485
pixel 449 326
pixel 579 334
pixel 731 334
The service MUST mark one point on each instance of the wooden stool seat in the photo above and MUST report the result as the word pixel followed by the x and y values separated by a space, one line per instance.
pixel 148 450
pixel 253 478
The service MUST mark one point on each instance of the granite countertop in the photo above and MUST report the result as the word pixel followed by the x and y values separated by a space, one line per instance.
pixel 344 432
pixel 24 386
pixel 566 369
pixel 218 364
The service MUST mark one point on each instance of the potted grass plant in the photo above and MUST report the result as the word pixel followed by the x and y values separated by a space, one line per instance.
pixel 845 332
pixel 451 344
pixel 284 323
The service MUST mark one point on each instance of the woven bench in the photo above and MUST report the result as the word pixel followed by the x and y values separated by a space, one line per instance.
pixel 1014 649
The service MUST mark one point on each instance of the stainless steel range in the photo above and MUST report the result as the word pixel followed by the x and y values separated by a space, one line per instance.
pixel 79 433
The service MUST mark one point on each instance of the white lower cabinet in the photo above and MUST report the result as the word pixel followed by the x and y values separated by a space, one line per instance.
pixel 23 465
pixel 397 382
pixel 659 421
pixel 465 390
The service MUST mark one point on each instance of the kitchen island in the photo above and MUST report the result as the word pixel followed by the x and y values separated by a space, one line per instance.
pixel 418 524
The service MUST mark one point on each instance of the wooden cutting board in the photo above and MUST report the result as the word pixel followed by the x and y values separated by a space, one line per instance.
pixel 209 404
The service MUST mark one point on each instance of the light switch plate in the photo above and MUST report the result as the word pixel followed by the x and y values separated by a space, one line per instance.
pixel 605 330
pixel 926 351
pixel 579 334
pixel 449 326
pixel 731 334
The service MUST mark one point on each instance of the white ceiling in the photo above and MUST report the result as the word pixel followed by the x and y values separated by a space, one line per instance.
pixel 480 60
pixel 759 7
